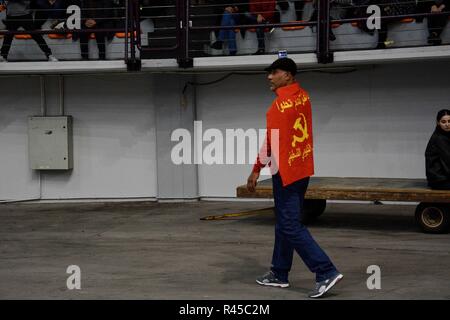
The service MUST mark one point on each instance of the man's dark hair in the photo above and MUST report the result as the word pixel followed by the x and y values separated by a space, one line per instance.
pixel 285 64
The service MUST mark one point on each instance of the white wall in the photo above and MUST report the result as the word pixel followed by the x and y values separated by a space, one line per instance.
pixel 19 98
pixel 114 137
pixel 374 122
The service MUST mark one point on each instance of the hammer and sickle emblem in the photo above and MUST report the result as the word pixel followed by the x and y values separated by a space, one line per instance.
pixel 302 128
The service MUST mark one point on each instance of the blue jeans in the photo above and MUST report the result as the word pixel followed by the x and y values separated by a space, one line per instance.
pixel 291 234
pixel 228 34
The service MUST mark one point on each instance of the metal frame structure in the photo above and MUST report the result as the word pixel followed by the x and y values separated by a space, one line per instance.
pixel 184 27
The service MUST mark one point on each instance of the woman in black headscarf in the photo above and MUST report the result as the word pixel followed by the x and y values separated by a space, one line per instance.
pixel 437 154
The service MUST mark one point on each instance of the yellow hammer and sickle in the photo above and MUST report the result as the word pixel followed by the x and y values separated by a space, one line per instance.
pixel 302 128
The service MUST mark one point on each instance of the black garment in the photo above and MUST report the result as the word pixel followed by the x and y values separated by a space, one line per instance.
pixel 314 17
pixel 163 15
pixel 440 185
pixel 437 158
pixel 392 8
pixel 45 10
pixel 101 44
pixel 104 12
pixel 202 14
pixel 359 10
pixel 15 22
pixel 299 8
pixel 436 23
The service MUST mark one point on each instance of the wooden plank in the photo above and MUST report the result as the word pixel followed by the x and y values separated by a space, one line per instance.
pixel 370 189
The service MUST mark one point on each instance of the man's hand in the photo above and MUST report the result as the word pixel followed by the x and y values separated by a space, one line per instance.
pixel 436 9
pixel 90 23
pixel 260 18
pixel 252 180
pixel 229 9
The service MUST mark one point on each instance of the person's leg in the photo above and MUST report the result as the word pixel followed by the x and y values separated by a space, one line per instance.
pixel 314 17
pixel 289 207
pixel 251 19
pixel 283 251
pixel 299 5
pixel 84 45
pixel 228 20
pixel 12 25
pixel 231 35
pixel 436 25
pixel 382 35
pixel 28 24
pixel 101 44
pixel 261 42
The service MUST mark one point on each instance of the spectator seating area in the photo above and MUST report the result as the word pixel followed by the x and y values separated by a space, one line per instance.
pixel 405 33
pixel 65 48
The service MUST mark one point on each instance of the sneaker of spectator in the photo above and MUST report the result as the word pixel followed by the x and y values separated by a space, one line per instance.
pixel 2 59
pixel 389 42
pixel 52 58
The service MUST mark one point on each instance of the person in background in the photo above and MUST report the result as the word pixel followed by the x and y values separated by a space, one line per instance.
pixel 96 15
pixel 261 12
pixel 231 16
pixel 392 8
pixel 437 153
pixel 436 23
pixel 55 10
pixel 19 14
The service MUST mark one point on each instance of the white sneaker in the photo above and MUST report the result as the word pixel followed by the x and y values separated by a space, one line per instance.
pixel 2 59
pixel 52 58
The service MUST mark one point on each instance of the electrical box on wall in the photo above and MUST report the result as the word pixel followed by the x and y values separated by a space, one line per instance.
pixel 50 143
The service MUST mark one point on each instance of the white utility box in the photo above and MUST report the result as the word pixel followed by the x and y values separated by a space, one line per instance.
pixel 50 143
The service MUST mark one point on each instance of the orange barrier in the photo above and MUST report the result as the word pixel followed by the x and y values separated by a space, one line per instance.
pixel 22 36
pixel 287 28
pixel 121 35
pixel 335 25
pixel 59 36
pixel 407 20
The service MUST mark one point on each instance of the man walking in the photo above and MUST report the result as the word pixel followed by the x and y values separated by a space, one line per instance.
pixel 291 115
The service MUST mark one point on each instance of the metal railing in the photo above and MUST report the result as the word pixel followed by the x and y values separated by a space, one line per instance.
pixel 185 29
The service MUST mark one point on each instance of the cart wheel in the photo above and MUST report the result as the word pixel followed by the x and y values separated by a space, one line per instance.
pixel 312 209
pixel 433 217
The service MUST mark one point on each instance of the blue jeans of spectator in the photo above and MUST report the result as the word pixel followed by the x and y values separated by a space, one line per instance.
pixel 228 20
pixel 251 19
pixel 291 234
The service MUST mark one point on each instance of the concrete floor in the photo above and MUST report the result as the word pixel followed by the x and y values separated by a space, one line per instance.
pixel 164 251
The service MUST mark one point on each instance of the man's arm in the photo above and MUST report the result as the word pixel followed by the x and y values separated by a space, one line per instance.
pixel 261 161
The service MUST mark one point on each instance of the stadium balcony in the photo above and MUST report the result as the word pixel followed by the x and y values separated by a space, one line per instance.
pixel 179 35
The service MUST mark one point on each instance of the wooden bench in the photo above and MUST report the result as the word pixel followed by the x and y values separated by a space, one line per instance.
pixel 432 213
